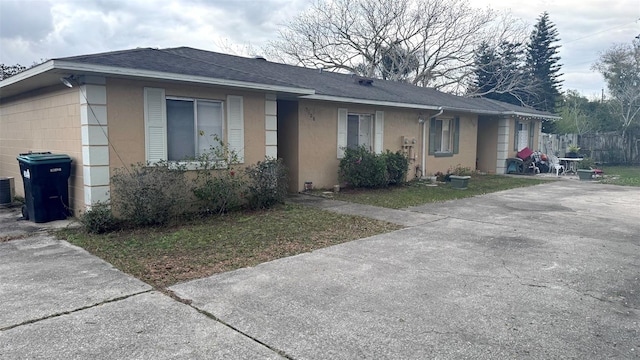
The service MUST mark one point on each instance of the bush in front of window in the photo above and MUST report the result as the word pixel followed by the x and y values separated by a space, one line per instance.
pixel 218 185
pixel 397 164
pixel 145 194
pixel 361 168
pixel 267 183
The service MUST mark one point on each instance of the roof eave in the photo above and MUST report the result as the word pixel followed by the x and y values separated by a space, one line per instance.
pixel 160 75
pixel 74 67
pixel 539 116
pixel 425 107
pixel 369 102
pixel 36 70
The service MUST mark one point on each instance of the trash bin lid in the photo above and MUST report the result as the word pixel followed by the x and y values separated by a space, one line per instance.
pixel 43 158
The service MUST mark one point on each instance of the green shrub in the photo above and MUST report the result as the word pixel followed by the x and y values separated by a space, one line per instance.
pixel 586 163
pixel 397 167
pixel 267 183
pixel 218 186
pixel 150 194
pixel 361 168
pixel 219 191
pixel 98 219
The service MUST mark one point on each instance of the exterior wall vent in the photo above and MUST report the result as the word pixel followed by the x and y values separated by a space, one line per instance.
pixel 362 80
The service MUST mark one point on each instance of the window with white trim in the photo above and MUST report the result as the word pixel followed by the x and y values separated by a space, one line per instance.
pixel 356 129
pixel 194 126
pixel 444 136
pixel 183 128
pixel 359 132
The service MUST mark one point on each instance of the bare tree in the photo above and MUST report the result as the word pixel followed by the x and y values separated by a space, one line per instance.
pixel 228 47
pixel 620 67
pixel 425 42
pixel 7 71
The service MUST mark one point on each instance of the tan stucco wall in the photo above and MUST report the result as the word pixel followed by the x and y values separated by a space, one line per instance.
pixel 466 156
pixel 317 149
pixel 487 144
pixel 125 112
pixel 46 120
pixel 317 144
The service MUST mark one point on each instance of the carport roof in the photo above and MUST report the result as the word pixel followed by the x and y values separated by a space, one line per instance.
pixel 193 65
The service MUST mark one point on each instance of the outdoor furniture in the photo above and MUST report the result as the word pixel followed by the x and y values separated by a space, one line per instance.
pixel 570 164
pixel 554 164
pixel 522 163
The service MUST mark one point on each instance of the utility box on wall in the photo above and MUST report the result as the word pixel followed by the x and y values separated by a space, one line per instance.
pixel 408 141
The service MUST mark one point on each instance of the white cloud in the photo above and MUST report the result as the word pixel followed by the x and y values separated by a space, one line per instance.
pixel 31 30
pixel 585 27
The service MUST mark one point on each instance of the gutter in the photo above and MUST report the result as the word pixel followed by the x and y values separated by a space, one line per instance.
pixel 424 140
pixel 370 102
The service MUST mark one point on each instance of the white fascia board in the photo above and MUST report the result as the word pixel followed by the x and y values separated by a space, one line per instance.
pixel 517 113
pixel 159 75
pixel 420 106
pixel 369 102
pixel 502 113
pixel 36 70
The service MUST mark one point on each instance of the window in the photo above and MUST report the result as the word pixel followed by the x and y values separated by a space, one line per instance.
pixel 360 130
pixel 192 127
pixel 178 128
pixel 444 137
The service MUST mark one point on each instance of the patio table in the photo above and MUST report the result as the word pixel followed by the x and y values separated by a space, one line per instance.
pixel 570 165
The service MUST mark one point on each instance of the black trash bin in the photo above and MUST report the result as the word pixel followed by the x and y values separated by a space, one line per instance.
pixel 46 190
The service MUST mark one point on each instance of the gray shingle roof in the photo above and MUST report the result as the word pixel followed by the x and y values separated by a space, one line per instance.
pixel 194 62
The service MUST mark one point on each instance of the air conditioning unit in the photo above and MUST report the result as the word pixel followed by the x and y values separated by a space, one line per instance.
pixel 7 190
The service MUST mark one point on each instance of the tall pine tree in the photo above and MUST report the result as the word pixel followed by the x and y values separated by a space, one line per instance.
pixel 485 70
pixel 542 61
pixel 499 73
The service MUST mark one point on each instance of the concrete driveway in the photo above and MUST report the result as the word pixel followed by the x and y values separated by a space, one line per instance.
pixel 551 271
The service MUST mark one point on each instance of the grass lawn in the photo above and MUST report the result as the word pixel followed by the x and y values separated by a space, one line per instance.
pixel 416 193
pixel 201 247
pixel 164 256
pixel 621 175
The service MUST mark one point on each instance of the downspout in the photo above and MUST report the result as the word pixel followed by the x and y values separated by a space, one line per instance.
pixel 424 139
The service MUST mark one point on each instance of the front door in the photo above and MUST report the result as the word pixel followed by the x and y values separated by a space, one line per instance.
pixel 523 135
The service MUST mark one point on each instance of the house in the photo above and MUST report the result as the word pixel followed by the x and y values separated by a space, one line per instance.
pixel 110 110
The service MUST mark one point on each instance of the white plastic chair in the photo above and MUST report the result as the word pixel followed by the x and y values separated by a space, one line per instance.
pixel 554 163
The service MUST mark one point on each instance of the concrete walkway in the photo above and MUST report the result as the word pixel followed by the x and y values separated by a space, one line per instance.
pixel 551 271
pixel 399 217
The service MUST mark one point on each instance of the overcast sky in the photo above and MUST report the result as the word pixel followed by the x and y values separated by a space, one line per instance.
pixel 34 30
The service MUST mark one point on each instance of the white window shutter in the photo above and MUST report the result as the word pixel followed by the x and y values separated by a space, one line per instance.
pixel 235 126
pixel 342 132
pixel 155 125
pixel 378 145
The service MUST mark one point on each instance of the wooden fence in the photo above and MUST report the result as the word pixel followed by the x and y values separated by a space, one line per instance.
pixel 608 148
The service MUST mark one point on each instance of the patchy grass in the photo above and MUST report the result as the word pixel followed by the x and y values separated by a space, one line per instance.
pixel 165 256
pixel 621 175
pixel 417 193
